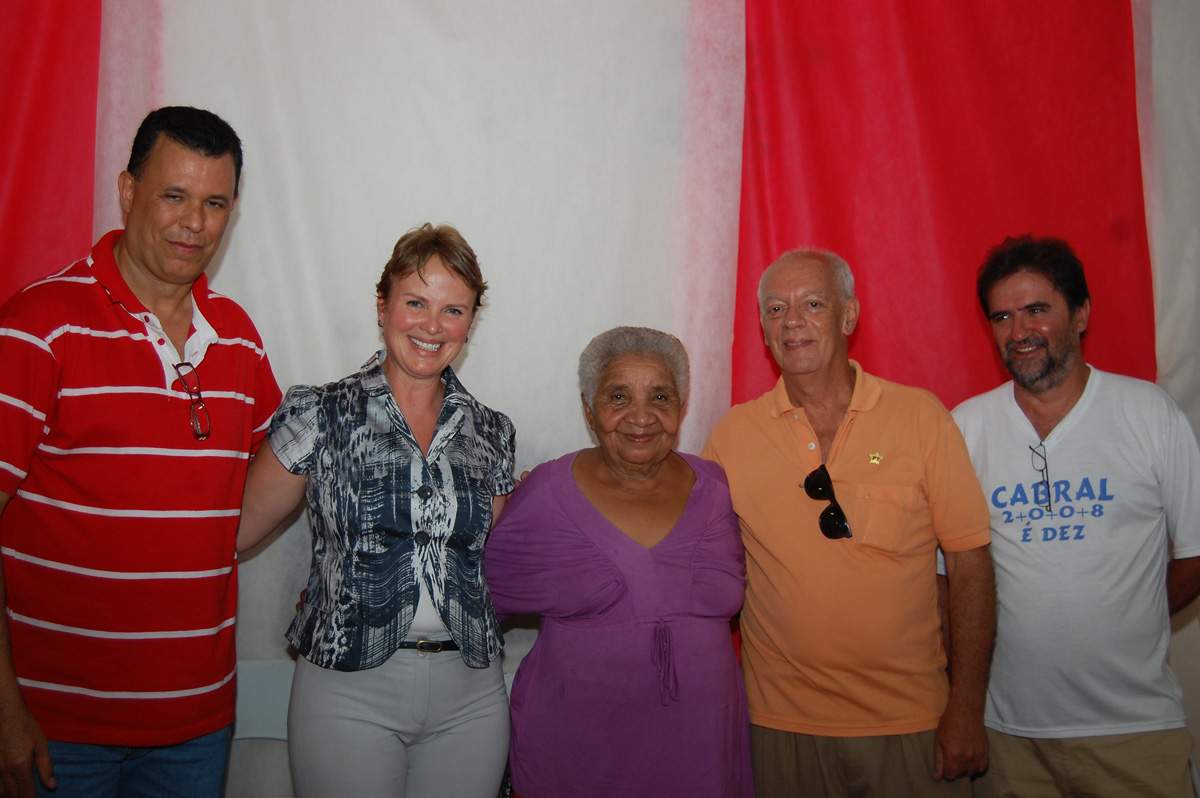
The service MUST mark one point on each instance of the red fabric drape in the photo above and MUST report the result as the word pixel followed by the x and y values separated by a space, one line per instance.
pixel 49 74
pixel 912 137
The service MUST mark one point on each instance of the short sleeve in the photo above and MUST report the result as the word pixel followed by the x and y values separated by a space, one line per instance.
pixel 538 560
pixel 27 392
pixel 266 400
pixel 961 519
pixel 294 431
pixel 1180 480
pixel 719 567
pixel 506 453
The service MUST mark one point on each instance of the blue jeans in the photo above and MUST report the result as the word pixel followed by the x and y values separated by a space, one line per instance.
pixel 192 769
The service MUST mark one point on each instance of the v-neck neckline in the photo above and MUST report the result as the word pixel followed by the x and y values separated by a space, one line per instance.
pixel 575 496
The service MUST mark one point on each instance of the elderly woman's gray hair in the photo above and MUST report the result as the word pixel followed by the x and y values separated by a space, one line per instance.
pixel 642 341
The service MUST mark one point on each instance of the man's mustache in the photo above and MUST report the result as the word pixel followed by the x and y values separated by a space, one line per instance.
pixel 1030 340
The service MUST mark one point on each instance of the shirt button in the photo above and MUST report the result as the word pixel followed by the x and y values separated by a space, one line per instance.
pixel 424 491
pixel 796 416
pixel 422 537
pixel 812 446
pixel 161 342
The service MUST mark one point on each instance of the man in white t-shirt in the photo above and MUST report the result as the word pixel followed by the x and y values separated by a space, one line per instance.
pixel 1093 482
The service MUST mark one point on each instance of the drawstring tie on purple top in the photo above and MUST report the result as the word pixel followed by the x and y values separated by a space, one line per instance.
pixel 664 658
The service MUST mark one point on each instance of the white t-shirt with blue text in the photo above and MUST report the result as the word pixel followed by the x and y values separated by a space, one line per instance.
pixel 1082 620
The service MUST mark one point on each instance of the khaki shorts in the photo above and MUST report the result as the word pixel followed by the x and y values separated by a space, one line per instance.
pixel 1145 765
pixel 787 765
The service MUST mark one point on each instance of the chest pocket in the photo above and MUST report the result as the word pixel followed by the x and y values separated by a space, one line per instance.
pixel 883 516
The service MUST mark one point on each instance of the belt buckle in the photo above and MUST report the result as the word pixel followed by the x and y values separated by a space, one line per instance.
pixel 429 646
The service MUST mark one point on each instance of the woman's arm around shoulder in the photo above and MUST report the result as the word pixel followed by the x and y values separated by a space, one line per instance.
pixel 272 492
pixel 272 489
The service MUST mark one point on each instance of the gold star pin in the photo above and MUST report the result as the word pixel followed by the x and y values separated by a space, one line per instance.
pixel 875 458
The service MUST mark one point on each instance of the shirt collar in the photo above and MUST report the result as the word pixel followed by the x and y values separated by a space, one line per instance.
pixel 455 392
pixel 867 390
pixel 375 383
pixel 104 268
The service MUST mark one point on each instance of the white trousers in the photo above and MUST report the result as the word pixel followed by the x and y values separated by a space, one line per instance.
pixel 419 725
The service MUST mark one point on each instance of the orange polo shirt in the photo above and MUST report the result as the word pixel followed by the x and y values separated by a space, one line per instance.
pixel 841 637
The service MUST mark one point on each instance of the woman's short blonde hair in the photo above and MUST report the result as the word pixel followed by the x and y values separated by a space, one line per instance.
pixel 417 246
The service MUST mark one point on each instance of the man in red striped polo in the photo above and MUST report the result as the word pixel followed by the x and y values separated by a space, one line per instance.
pixel 131 400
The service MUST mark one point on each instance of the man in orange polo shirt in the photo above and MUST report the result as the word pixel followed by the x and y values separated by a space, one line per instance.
pixel 846 485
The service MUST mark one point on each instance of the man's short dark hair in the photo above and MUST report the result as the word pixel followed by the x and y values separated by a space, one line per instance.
pixel 197 129
pixel 1052 258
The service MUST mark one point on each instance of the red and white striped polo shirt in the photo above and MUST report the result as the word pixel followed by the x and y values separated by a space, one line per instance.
pixel 119 539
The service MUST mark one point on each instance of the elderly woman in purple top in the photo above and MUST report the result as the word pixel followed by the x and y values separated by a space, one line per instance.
pixel 630 552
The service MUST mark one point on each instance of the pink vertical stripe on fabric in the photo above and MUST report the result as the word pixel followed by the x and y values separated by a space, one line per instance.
pixel 913 138
pixel 131 84
pixel 49 67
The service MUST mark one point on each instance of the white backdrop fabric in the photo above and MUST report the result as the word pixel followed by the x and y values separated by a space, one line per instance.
pixel 589 152
pixel 1168 62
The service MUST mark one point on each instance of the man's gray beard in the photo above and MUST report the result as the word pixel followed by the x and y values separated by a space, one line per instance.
pixel 1051 373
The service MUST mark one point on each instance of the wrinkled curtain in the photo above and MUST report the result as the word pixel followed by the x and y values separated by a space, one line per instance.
pixel 49 66
pixel 910 138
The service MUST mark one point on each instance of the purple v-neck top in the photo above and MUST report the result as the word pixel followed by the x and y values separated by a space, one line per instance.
pixel 632 687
